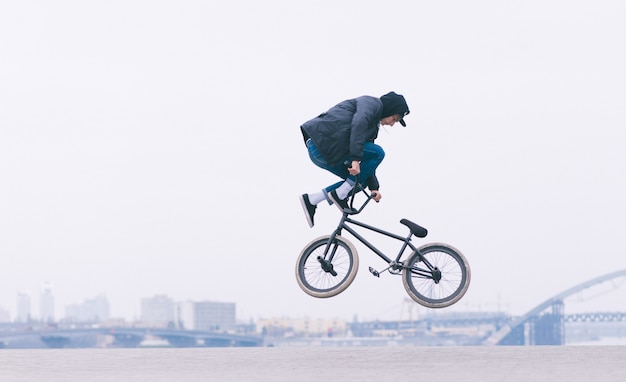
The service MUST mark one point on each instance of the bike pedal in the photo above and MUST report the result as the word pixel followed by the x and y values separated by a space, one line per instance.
pixel 374 272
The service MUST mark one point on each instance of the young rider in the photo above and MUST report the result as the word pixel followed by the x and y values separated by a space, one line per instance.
pixel 341 141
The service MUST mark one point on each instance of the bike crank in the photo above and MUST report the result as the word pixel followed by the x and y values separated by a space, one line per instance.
pixel 394 268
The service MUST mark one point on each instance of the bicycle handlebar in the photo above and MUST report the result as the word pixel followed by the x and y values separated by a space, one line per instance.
pixel 354 191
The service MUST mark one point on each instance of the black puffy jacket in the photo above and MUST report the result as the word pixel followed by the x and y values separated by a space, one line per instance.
pixel 342 130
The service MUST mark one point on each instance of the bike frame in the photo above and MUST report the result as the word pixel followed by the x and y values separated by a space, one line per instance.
pixel 394 264
pixel 343 225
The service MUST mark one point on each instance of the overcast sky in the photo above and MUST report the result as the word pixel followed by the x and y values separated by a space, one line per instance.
pixel 153 147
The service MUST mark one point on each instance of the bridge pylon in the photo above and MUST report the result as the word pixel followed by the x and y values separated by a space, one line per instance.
pixel 548 328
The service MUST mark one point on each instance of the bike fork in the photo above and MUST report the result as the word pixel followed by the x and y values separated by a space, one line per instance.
pixel 326 260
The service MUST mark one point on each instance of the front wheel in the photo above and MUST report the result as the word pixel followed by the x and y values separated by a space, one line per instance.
pixel 437 275
pixel 325 270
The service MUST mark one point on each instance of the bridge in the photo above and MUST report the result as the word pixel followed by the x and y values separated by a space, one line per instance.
pixel 544 324
pixel 125 337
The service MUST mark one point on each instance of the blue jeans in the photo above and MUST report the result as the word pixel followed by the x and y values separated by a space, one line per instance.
pixel 373 155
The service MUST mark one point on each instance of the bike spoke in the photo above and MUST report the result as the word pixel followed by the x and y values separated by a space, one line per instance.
pixel 443 281
pixel 320 280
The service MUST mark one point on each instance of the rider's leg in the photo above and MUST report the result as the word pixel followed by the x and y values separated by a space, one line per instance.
pixel 339 170
pixel 373 155
pixel 342 188
pixel 310 201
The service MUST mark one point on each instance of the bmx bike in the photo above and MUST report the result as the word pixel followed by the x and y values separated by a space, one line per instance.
pixel 435 275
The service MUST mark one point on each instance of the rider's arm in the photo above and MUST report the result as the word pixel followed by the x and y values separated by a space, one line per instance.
pixel 364 126
pixel 373 185
pixel 355 168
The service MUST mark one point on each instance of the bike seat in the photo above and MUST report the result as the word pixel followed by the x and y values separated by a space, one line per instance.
pixel 417 230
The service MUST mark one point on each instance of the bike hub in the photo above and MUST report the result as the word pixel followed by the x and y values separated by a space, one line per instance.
pixel 326 266
pixel 436 273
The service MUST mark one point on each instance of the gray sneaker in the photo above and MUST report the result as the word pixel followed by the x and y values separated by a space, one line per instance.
pixel 309 209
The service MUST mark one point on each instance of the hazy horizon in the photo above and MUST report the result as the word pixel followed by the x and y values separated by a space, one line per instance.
pixel 592 299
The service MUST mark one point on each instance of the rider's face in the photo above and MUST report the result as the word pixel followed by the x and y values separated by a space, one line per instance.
pixel 391 120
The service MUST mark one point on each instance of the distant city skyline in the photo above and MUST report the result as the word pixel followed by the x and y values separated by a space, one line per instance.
pixel 158 309
pixel 603 296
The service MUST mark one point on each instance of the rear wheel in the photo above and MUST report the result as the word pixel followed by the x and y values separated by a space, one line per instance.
pixel 437 275
pixel 325 275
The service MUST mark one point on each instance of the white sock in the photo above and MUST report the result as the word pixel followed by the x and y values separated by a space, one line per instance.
pixel 343 190
pixel 316 197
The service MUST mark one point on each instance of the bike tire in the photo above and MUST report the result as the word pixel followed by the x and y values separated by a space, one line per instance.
pixel 317 282
pixel 419 281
